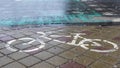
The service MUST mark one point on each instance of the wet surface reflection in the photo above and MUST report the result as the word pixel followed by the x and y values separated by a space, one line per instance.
pixel 46 11
pixel 31 8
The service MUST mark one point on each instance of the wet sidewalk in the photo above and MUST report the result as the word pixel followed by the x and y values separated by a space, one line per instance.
pixel 27 47
pixel 20 12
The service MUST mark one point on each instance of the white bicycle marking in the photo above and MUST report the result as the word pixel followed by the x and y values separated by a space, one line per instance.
pixel 8 46
pixel 95 50
pixel 33 40
pixel 43 35
pixel 59 41
pixel 76 36
pixel 55 36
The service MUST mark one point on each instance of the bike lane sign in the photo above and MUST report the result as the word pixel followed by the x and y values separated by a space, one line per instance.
pixel 76 36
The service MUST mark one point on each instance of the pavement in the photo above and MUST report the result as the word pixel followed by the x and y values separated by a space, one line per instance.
pixel 57 54
pixel 23 45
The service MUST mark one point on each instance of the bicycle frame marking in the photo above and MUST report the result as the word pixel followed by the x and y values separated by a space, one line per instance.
pixel 73 42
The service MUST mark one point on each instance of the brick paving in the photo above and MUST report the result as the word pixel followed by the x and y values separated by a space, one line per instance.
pixel 56 54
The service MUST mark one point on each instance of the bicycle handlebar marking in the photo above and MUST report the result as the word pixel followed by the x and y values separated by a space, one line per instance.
pixel 76 36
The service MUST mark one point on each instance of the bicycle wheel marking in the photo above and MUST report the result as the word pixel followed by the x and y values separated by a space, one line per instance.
pixel 115 46
pixel 8 46
pixel 29 50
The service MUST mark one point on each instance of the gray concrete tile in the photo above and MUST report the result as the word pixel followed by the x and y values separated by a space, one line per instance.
pixel 53 43
pixel 2 45
pixel 44 55
pixel 43 65
pixel 84 60
pixel 18 55
pixel 2 35
pixel 47 46
pixel 1 55
pixel 26 32
pixel 11 33
pixel 14 65
pixel 65 46
pixel 93 55
pixel 5 60
pixel 109 59
pixel 17 42
pixel 41 38
pixel 6 51
pixel 99 64
pixel 36 43
pixel 6 38
pixel 69 55
pixel 22 47
pixel 56 60
pixel 28 61
pixel 55 50
pixel 18 35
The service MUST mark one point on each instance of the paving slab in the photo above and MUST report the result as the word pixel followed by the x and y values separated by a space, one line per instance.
pixel 14 65
pixel 56 54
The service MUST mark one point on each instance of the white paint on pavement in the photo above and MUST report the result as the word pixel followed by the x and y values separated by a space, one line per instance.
pixel 42 45
pixel 76 36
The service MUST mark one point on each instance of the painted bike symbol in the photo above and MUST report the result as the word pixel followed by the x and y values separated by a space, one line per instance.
pixel 83 43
